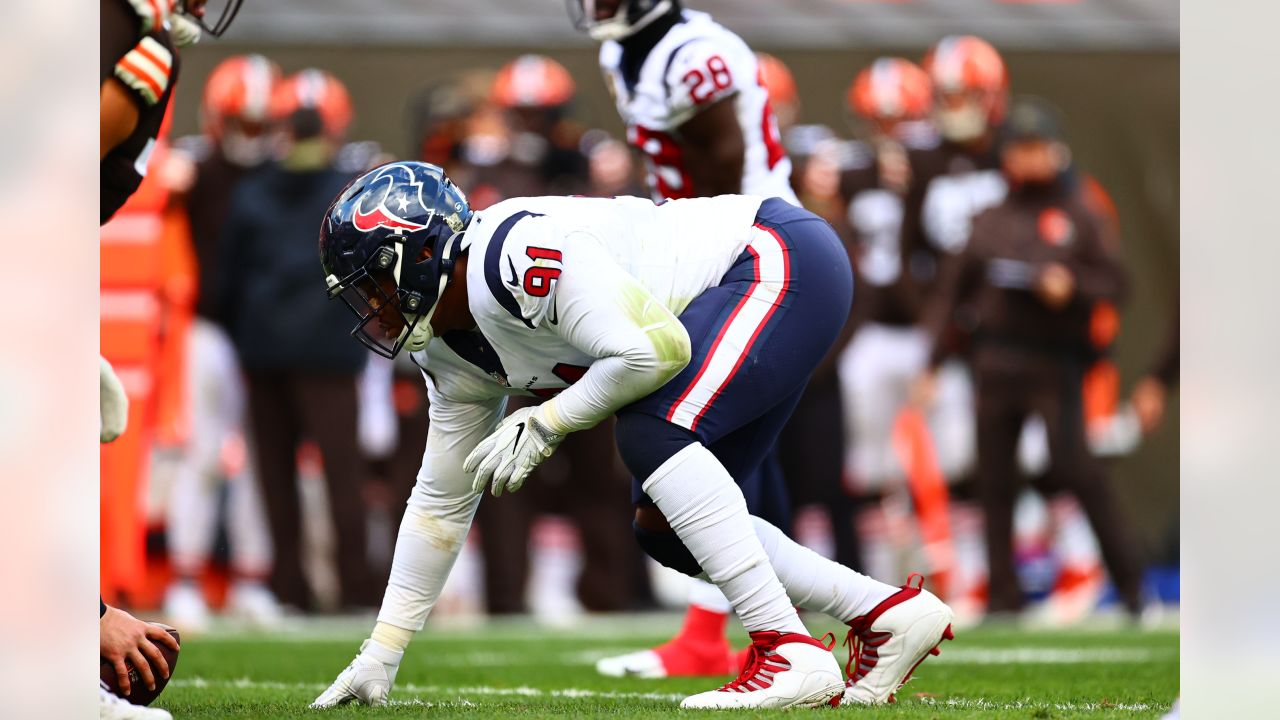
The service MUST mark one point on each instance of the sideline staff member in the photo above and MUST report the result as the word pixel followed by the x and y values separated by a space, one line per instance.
pixel 1021 293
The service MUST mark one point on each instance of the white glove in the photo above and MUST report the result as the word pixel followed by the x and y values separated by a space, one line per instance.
pixel 183 30
pixel 152 14
pixel 113 403
pixel 366 681
pixel 521 441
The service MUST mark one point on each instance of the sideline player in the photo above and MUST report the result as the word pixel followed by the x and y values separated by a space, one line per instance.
pixel 137 70
pixel 698 323
pixel 691 96
pixel 949 183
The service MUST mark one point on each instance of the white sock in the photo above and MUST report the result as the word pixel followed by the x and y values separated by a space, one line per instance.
pixel 708 597
pixel 706 509
pixel 816 583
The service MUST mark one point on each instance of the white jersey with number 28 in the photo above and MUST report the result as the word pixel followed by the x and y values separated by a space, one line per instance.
pixel 697 63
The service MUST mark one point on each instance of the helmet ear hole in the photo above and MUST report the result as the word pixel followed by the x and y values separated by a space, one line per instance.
pixel 424 254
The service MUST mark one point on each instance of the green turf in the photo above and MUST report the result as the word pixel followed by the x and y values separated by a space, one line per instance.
pixel 522 670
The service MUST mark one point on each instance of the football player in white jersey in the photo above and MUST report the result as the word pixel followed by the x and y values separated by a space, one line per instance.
pixel 696 322
pixel 690 93
pixel 692 97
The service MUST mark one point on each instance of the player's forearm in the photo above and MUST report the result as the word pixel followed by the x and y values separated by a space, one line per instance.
pixel 440 510
pixel 658 351
pixel 432 532
pixel 611 384
pixel 640 345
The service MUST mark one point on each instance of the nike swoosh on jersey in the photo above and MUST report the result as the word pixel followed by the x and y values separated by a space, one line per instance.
pixel 493 266
pixel 512 282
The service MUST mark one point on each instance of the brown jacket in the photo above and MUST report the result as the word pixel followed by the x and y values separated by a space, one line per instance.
pixel 987 293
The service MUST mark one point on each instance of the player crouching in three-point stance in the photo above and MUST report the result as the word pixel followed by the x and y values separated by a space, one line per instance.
pixel 696 322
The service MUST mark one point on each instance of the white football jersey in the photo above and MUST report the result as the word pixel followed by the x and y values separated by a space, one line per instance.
pixel 697 63
pixel 548 284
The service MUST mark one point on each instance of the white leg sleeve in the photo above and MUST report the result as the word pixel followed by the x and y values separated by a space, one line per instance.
pixel 708 597
pixel 816 583
pixel 439 514
pixel 426 548
pixel 706 509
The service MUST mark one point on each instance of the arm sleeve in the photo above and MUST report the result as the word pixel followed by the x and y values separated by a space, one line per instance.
pixel 607 314
pixel 441 508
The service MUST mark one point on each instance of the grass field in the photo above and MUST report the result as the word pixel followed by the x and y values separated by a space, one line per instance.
pixel 519 669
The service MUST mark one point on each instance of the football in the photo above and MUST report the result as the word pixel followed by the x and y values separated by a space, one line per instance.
pixel 139 693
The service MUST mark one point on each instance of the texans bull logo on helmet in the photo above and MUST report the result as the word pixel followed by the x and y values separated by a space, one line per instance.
pixel 394 186
pixel 387 248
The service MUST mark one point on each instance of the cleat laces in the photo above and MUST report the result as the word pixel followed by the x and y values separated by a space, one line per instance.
pixel 763 663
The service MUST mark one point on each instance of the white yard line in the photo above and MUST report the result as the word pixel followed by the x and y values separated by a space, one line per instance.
pixel 411 689
pixel 1028 655
pixel 980 704
pixel 462 693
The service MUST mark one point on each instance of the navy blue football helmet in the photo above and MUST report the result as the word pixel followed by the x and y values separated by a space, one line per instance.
pixel 387 246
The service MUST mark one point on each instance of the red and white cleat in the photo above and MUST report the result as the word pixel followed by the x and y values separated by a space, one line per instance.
pixel 888 643
pixel 782 671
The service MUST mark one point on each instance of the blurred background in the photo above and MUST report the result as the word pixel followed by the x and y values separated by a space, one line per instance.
pixel 197 522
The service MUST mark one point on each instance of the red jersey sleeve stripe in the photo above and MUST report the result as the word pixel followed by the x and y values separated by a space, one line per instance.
pixel 156 53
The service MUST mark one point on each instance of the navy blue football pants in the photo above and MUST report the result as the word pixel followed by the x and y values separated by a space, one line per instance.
pixel 756 337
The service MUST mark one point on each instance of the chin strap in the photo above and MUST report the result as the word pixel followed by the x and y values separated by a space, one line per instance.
pixel 422 332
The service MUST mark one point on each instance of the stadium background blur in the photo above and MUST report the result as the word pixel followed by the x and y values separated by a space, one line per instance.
pixel 1112 67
